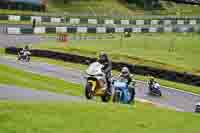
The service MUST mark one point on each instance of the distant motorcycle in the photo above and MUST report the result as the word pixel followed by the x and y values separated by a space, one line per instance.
pixel 96 82
pixel 122 93
pixel 197 108
pixel 155 90
pixel 24 56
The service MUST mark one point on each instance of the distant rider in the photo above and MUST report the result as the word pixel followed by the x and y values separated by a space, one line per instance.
pixel 153 84
pixel 126 76
pixel 25 49
pixel 107 69
pixel 24 52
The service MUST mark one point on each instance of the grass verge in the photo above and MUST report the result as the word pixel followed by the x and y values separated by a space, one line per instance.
pixel 15 77
pixel 93 118
pixel 167 51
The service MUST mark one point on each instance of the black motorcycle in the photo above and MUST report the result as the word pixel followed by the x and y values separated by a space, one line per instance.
pixel 154 90
pixel 197 108
pixel 24 56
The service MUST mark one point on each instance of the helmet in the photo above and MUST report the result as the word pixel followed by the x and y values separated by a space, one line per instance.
pixel 151 79
pixel 125 71
pixel 26 47
pixel 103 56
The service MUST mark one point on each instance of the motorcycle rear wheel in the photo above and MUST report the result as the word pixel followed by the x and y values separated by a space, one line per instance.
pixel 155 93
pixel 159 94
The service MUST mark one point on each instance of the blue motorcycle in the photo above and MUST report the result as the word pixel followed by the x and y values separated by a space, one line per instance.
pixel 122 93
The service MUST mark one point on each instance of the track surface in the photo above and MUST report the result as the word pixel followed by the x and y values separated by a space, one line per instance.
pixel 21 94
pixel 174 99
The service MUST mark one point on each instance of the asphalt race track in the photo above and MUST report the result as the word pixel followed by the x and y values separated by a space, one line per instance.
pixel 22 94
pixel 173 99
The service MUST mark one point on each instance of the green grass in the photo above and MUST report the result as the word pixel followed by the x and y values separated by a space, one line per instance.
pixel 179 9
pixel 14 22
pixel 15 77
pixel 143 49
pixel 2 51
pixel 114 7
pixel 108 8
pixel 25 22
pixel 69 65
pixel 19 12
pixel 92 8
pixel 93 118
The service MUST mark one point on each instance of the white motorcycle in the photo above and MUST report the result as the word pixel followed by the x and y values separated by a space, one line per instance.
pixel 96 82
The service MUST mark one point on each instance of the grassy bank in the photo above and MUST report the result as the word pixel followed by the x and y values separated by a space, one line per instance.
pixel 109 8
pixel 93 118
pixel 117 7
pixel 15 77
pixel 167 51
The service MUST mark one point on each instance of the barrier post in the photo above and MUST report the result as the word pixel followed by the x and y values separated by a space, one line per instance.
pixel 63 37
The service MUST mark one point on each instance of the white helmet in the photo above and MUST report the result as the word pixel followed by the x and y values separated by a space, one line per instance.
pixel 125 71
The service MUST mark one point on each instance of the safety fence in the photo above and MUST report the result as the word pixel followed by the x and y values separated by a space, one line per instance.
pixel 76 29
pixel 173 20
pixel 181 77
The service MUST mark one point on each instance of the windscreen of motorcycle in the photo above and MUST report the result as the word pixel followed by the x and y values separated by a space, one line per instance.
pixel 156 85
pixel 95 69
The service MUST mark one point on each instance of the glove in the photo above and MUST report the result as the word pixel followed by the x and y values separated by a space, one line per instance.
pixel 102 70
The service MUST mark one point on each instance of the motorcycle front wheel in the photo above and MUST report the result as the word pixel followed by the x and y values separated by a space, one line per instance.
pixel 159 93
pixel 106 98
pixel 88 91
pixel 116 97
pixel 28 58
pixel 132 96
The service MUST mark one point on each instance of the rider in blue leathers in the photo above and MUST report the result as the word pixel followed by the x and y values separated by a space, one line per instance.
pixel 126 76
